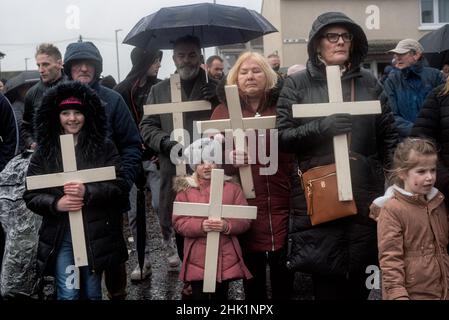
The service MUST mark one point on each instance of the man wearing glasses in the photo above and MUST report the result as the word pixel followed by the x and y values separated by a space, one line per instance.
pixel 408 87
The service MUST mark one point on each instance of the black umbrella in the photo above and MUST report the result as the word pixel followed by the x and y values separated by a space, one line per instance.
pixel 436 46
pixel 213 24
pixel 23 78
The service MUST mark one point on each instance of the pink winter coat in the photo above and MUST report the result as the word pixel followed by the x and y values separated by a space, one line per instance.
pixel 413 235
pixel 230 262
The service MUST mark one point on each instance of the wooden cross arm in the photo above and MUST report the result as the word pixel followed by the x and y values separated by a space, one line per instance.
pixel 268 122
pixel 190 209
pixel 202 210
pixel 239 212
pixel 326 109
pixel 179 107
pixel 59 179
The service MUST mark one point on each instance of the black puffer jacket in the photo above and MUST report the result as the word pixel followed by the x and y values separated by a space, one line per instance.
pixel 102 201
pixel 346 245
pixel 433 122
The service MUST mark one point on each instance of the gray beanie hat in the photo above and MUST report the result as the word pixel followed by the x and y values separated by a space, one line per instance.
pixel 204 149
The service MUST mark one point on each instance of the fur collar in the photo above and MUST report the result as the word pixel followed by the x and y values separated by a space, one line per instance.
pixel 380 202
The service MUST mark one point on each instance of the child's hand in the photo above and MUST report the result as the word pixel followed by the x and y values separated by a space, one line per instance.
pixel 239 158
pixel 69 203
pixel 76 189
pixel 215 225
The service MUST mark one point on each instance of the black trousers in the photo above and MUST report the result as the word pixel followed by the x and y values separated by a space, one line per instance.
pixel 281 278
pixel 220 294
pixel 352 287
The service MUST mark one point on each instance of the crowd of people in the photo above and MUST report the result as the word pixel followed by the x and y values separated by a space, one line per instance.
pixel 399 168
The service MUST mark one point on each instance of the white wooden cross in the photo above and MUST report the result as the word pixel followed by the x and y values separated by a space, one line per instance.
pixel 238 125
pixel 72 174
pixel 177 108
pixel 213 210
pixel 336 105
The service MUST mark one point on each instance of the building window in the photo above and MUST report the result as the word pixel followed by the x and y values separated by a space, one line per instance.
pixel 434 11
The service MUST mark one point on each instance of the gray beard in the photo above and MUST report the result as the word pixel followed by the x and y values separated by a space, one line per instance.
pixel 188 74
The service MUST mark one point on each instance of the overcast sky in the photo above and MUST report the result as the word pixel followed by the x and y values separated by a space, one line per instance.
pixel 26 23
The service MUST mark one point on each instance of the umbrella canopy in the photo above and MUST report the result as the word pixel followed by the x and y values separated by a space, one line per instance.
pixel 23 78
pixel 436 46
pixel 213 24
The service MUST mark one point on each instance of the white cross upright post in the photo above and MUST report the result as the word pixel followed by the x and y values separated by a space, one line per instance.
pixel 72 174
pixel 239 125
pixel 213 210
pixel 177 108
pixel 336 105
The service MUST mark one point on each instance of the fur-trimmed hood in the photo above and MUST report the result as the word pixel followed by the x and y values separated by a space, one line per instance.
pixel 47 123
pixel 185 182
pixel 380 202
pixel 272 95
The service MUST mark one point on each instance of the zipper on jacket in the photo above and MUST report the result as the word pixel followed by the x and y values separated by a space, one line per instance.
pixel 269 213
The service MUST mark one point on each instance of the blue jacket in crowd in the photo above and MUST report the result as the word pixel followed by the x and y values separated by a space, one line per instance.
pixel 407 90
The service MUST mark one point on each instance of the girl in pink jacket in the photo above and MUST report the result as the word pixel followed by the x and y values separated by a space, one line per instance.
pixel 412 227
pixel 196 189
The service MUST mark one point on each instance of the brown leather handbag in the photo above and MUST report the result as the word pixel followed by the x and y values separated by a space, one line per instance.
pixel 320 189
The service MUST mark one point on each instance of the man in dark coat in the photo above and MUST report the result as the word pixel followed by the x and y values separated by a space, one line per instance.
pixel 156 129
pixel 83 62
pixel 336 253
pixel 135 90
pixel 408 87
pixel 49 64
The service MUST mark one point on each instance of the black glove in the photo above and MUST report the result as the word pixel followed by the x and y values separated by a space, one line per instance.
pixel 336 124
pixel 208 92
pixel 167 145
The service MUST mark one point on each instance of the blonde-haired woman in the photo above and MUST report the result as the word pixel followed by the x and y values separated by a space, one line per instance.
pixel 265 242
pixel 433 122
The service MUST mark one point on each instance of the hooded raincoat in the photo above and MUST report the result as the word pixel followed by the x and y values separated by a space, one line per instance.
pixel 345 246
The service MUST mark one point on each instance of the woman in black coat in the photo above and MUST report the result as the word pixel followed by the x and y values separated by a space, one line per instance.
pixel 74 108
pixel 336 253
pixel 433 122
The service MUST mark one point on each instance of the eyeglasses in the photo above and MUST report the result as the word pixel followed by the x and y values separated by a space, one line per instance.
pixel 82 63
pixel 334 37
